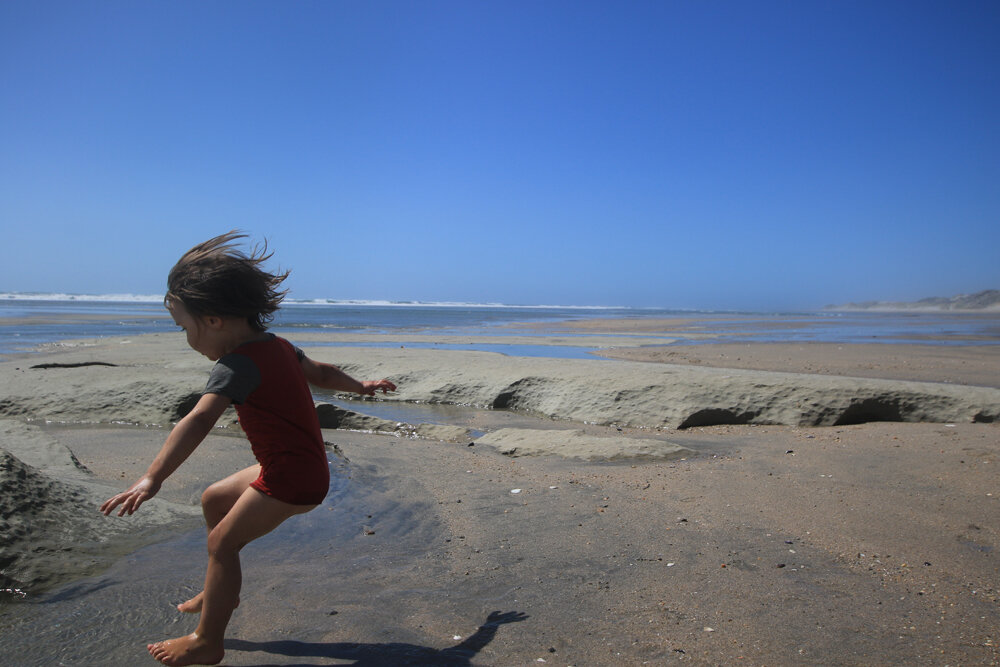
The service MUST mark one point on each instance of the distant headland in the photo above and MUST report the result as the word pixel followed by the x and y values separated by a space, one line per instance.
pixel 985 301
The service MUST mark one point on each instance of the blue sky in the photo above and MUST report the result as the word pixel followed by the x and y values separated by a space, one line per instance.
pixel 696 154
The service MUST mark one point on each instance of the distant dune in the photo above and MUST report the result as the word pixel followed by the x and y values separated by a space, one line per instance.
pixel 987 300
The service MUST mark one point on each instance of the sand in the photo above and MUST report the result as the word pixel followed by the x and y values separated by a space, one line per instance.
pixel 578 512
pixel 966 365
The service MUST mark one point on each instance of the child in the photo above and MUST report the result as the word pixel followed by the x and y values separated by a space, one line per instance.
pixel 223 299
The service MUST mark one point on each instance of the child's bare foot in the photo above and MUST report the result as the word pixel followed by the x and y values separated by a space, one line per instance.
pixel 187 650
pixel 193 606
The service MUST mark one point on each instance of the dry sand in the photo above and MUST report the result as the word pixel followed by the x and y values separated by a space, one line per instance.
pixel 763 539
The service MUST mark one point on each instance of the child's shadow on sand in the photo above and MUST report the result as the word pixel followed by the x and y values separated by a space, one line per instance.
pixel 391 654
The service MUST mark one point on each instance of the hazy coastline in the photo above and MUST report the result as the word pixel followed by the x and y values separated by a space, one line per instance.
pixel 986 301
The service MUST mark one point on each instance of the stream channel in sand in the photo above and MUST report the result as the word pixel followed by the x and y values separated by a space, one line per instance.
pixel 131 602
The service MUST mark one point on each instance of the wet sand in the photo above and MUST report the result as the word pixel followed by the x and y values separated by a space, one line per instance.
pixel 860 544
pixel 968 365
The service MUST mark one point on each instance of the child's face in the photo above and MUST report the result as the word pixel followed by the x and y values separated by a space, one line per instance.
pixel 202 335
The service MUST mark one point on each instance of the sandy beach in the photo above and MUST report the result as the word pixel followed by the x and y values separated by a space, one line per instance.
pixel 713 504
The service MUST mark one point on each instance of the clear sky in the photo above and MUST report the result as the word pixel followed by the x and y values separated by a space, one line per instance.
pixel 673 153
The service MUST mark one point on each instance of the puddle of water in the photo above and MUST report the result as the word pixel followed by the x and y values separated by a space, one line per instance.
pixel 108 619
pixel 479 421
pixel 410 413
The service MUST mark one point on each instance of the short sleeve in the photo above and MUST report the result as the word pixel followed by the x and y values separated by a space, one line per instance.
pixel 234 376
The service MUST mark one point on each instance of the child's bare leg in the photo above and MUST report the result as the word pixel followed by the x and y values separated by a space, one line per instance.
pixel 216 502
pixel 253 515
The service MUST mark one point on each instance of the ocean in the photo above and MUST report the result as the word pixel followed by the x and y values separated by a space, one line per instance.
pixel 28 321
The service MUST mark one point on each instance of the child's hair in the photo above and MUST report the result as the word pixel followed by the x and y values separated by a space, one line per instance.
pixel 215 278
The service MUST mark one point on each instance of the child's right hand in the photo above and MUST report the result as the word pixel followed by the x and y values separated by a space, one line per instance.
pixel 130 500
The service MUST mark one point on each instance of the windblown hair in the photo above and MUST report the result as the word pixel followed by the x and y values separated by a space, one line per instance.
pixel 216 278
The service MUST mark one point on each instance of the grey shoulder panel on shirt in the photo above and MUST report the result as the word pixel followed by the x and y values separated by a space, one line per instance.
pixel 234 376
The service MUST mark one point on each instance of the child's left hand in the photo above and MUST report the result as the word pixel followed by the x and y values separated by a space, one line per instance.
pixel 369 388
pixel 130 500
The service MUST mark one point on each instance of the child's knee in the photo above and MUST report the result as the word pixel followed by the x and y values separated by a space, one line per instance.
pixel 209 498
pixel 216 502
pixel 219 543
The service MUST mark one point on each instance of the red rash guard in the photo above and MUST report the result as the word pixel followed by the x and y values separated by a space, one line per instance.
pixel 266 383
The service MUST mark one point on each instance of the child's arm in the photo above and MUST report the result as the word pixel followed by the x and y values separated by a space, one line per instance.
pixel 328 376
pixel 183 440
